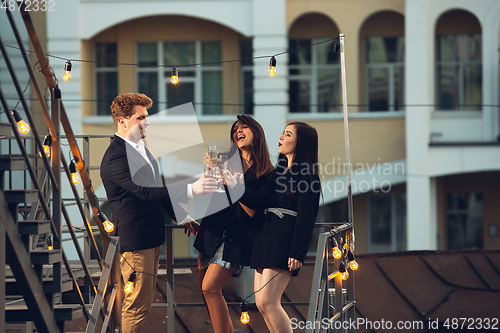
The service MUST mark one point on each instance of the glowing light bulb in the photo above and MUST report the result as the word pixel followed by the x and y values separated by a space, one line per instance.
pixel 129 287
pixel 67 71
pixel 272 67
pixel 23 126
pixel 175 76
pixel 245 317
pixel 343 272
pixel 352 262
pixel 50 246
pixel 337 254
pixel 74 176
pixel 108 226
pixel 47 142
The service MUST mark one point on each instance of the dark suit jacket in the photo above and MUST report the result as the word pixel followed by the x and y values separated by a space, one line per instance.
pixel 287 237
pixel 136 196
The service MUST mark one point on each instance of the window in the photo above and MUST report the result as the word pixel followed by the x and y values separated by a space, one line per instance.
pixel 459 72
pixel 465 220
pixel 314 77
pixel 106 77
pixel 246 84
pixel 385 73
pixel 201 85
pixel 387 227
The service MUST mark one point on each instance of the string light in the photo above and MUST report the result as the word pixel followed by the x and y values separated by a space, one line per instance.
pixel 337 254
pixel 67 71
pixel 353 264
pixel 108 226
pixel 343 272
pixel 74 175
pixel 129 287
pixel 50 245
pixel 47 142
pixel 272 67
pixel 245 317
pixel 175 76
pixel 23 127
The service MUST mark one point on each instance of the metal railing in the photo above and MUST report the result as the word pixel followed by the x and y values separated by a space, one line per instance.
pixel 328 312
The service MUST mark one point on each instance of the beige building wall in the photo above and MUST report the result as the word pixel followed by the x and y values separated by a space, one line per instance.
pixel 348 17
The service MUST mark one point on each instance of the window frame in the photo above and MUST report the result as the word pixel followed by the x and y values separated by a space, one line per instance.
pixel 163 75
pixel 394 227
pixel 461 75
pixel 312 78
pixel 391 85
pixel 98 70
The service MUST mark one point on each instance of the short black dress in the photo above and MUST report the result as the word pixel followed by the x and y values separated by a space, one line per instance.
pixel 226 238
pixel 282 234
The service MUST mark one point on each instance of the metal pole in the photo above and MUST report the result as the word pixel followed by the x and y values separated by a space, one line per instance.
pixel 350 283
pixel 170 282
pixel 346 130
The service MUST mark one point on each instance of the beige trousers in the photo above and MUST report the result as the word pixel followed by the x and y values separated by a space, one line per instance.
pixel 137 304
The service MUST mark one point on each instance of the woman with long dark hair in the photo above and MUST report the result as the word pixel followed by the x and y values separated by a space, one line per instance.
pixel 225 239
pixel 290 202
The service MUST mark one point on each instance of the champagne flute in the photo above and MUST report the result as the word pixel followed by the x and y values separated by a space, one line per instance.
pixel 222 165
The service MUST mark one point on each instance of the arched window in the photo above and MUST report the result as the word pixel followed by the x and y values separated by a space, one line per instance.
pixel 382 48
pixel 314 72
pixel 459 61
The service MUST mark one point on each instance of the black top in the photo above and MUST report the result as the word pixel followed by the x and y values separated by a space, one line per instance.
pixel 289 236
pixel 232 226
pixel 136 196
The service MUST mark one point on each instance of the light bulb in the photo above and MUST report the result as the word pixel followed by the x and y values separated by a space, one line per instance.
pixel 23 126
pixel 337 254
pixel 352 262
pixel 129 287
pixel 67 71
pixel 272 67
pixel 175 76
pixel 74 176
pixel 50 246
pixel 108 226
pixel 47 142
pixel 343 272
pixel 245 317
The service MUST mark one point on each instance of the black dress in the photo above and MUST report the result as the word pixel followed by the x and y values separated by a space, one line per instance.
pixel 231 226
pixel 285 236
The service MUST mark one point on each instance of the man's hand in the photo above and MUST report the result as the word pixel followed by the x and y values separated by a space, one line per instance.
pixel 204 185
pixel 191 228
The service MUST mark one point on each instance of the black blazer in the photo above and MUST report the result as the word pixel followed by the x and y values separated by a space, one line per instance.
pixel 232 226
pixel 289 236
pixel 136 196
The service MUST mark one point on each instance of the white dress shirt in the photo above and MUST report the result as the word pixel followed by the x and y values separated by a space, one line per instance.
pixel 141 149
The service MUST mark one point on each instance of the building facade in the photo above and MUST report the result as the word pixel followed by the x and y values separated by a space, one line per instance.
pixel 422 86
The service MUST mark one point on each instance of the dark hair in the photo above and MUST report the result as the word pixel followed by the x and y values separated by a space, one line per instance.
pixel 259 154
pixel 305 158
pixel 123 104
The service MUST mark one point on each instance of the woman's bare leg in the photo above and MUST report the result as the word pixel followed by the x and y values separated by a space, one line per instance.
pixel 215 277
pixel 269 298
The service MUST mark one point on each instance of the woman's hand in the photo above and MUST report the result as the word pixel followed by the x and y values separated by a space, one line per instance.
pixel 294 264
pixel 229 179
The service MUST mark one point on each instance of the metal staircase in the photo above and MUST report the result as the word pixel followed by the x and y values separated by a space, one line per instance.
pixel 33 276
